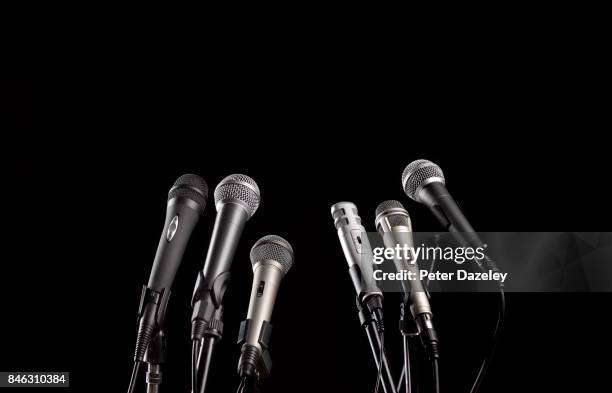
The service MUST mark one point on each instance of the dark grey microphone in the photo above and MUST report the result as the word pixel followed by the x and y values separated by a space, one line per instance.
pixel 424 182
pixel 272 257
pixel 394 225
pixel 186 203
pixel 237 198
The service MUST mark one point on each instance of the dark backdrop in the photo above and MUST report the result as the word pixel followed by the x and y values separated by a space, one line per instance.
pixel 96 146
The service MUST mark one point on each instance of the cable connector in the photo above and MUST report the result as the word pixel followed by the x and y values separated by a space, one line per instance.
pixel 429 336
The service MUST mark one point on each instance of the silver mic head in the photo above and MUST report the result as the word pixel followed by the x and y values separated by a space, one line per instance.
pixel 391 216
pixel 239 189
pixel 345 213
pixel 417 175
pixel 273 250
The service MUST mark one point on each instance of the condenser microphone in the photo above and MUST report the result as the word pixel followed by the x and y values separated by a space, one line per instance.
pixel 393 224
pixel 358 254
pixel 424 182
pixel 272 257
pixel 186 203
pixel 237 198
pixel 357 250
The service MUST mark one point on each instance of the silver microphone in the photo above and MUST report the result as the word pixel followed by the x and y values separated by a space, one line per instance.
pixel 357 249
pixel 393 224
pixel 272 257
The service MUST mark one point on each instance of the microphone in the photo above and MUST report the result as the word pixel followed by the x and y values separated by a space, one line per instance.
pixel 186 203
pixel 358 253
pixel 272 257
pixel 394 226
pixel 237 198
pixel 424 182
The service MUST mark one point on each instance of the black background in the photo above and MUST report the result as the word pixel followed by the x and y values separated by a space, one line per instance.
pixel 96 144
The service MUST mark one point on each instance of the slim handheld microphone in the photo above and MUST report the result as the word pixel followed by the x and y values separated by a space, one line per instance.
pixel 186 203
pixel 237 198
pixel 394 226
pixel 272 257
pixel 424 182
pixel 358 253
pixel 357 250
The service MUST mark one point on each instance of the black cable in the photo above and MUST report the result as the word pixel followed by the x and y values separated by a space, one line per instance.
pixel 380 360
pixel 242 385
pixel 401 379
pixel 407 366
pixel 436 374
pixel 134 378
pixel 498 327
pixel 206 358
pixel 195 353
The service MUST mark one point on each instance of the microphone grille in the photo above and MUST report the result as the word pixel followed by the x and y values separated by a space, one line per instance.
pixel 274 248
pixel 395 218
pixel 386 205
pixel 190 186
pixel 419 173
pixel 241 188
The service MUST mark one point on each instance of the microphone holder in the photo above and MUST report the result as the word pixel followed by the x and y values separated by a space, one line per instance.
pixel 371 321
pixel 263 366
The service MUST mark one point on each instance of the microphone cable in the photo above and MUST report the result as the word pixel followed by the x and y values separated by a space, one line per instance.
pixel 501 316
pixel 405 376
pixel 380 327
pixel 195 353
pixel 135 372
pixel 436 374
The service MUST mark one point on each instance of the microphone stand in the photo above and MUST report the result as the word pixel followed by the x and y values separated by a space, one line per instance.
pixel 371 321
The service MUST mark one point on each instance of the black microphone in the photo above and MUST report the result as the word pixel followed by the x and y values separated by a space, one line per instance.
pixel 272 257
pixel 237 198
pixel 423 181
pixel 186 203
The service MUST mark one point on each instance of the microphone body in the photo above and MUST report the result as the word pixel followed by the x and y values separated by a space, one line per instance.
pixel 272 257
pixel 186 203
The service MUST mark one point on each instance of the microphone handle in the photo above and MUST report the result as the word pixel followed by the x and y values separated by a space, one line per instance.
pixel 448 213
pixel 212 281
pixel 266 281
pixel 181 218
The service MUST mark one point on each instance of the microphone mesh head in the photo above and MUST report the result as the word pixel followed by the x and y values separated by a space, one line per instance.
pixel 190 186
pixel 395 218
pixel 417 174
pixel 274 248
pixel 241 188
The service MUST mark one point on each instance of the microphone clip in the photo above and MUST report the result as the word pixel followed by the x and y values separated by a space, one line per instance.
pixel 251 357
